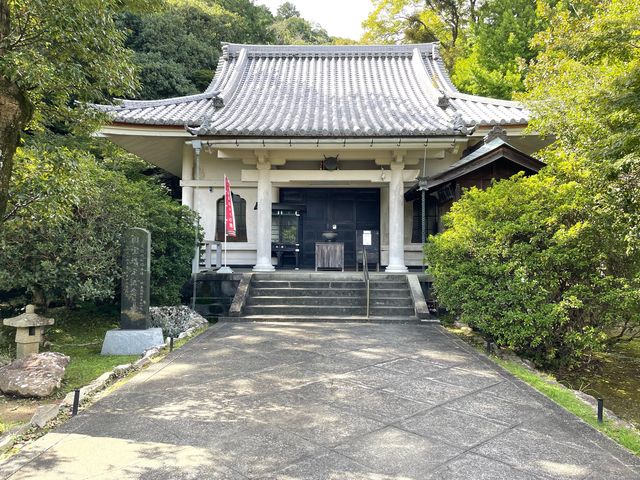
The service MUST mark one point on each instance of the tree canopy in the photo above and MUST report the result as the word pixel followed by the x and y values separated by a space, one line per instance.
pixel 55 55
pixel 486 44
pixel 550 265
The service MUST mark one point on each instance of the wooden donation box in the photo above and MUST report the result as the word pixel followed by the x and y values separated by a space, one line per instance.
pixel 330 255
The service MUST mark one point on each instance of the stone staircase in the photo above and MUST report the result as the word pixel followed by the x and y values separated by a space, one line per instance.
pixel 325 296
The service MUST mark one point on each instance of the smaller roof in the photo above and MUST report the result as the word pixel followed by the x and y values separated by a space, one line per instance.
pixel 28 319
pixel 489 152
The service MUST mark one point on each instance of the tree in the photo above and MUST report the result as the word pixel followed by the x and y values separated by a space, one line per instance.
pixel 177 48
pixel 69 208
pixel 485 44
pixel 393 21
pixel 525 263
pixel 550 265
pixel 55 55
pixel 290 28
pixel 287 10
pixel 500 50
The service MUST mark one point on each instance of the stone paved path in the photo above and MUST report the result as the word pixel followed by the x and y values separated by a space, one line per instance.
pixel 324 401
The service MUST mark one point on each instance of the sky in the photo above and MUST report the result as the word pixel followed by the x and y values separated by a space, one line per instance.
pixel 340 18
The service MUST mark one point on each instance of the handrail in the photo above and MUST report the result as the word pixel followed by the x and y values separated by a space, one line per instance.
pixel 365 273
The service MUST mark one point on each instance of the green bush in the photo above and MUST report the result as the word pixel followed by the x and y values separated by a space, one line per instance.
pixel 529 264
pixel 70 208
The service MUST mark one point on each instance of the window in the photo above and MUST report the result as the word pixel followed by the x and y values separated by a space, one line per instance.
pixel 432 218
pixel 240 210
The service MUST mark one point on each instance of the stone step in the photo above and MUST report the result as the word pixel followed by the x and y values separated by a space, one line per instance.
pixel 334 300
pixel 328 292
pixel 392 311
pixel 390 293
pixel 345 319
pixel 325 276
pixel 358 300
pixel 305 310
pixel 306 284
pixel 306 292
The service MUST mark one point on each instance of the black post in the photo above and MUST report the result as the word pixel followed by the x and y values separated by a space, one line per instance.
pixel 76 402
pixel 171 344
pixel 600 409
pixel 488 345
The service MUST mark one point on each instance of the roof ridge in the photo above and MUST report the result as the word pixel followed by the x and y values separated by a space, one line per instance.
pixel 488 100
pixel 164 101
pixel 234 49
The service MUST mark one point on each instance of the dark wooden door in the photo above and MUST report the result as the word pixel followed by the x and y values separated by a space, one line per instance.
pixel 349 209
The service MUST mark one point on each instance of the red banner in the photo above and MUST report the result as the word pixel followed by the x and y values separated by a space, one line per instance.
pixel 229 214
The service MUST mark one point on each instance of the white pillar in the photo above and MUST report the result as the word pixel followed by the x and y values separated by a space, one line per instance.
pixel 396 220
pixel 187 174
pixel 263 227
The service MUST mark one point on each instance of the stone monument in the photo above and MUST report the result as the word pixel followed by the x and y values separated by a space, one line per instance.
pixel 134 337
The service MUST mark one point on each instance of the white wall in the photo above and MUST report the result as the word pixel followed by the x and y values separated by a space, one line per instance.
pixel 212 170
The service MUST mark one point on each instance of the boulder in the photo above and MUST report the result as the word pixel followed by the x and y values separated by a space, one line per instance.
pixel 37 375
pixel 175 320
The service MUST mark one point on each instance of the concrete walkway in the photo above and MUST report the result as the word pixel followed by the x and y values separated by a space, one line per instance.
pixel 324 401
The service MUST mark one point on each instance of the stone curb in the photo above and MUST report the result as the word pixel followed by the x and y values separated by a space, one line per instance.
pixel 46 413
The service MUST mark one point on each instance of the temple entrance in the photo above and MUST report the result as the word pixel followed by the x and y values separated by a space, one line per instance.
pixel 343 210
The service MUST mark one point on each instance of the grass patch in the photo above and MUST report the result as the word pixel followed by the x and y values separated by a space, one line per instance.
pixel 546 384
pixel 627 437
pixel 79 334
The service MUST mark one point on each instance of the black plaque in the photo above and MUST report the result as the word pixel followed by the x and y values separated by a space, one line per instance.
pixel 136 273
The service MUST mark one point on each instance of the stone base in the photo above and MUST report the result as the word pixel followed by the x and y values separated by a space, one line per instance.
pixel 26 349
pixel 131 342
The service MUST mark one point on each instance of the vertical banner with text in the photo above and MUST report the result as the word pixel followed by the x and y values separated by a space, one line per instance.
pixel 229 214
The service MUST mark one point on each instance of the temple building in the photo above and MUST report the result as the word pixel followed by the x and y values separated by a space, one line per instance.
pixel 350 144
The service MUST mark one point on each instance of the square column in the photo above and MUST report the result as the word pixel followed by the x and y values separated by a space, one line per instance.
pixel 396 219
pixel 263 227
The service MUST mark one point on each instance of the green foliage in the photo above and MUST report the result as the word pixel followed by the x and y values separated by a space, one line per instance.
pixel 55 56
pixel 60 53
pixel 487 48
pixel 177 49
pixel 499 49
pixel 550 265
pixel 525 263
pixel 290 28
pixel 410 21
pixel 62 240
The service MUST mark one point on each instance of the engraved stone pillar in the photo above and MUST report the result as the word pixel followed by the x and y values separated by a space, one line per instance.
pixel 136 275
pixel 263 227
pixel 396 220
pixel 134 337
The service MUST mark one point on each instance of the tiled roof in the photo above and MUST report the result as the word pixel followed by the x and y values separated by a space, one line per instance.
pixel 333 91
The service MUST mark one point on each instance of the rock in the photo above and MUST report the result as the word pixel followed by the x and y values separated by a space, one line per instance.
pixel 122 370
pixel 37 375
pixel 175 320
pixel 44 414
pixel 143 362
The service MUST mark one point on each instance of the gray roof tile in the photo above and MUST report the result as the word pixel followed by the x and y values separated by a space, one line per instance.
pixel 334 91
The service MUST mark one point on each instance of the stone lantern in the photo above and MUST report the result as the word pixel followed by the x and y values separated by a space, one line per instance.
pixel 29 332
